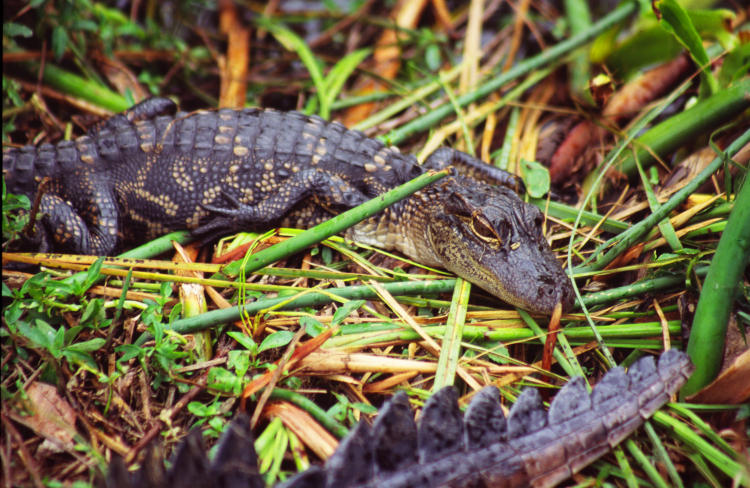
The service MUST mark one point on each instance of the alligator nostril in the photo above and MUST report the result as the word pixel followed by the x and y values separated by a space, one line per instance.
pixel 548 289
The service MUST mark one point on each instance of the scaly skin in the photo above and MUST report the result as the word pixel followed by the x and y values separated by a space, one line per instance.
pixel 150 170
pixel 481 449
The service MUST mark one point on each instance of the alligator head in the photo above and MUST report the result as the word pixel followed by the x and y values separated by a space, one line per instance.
pixel 489 236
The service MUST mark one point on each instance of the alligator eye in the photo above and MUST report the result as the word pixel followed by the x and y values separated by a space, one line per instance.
pixel 483 229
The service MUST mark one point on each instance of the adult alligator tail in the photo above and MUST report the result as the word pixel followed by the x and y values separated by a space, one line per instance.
pixel 481 449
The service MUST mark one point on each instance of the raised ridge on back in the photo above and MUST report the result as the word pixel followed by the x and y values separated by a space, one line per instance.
pixel 483 448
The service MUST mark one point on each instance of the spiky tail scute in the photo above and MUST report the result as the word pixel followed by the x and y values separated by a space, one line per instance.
pixel 530 447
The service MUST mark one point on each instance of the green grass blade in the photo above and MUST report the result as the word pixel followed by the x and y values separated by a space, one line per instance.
pixel 675 19
pixel 293 42
pixel 662 454
pixel 579 18
pixel 626 239
pixel 337 77
pixel 215 318
pixel 685 434
pixel 511 133
pixel 93 92
pixel 571 368
pixel 706 344
pixel 665 226
pixel 550 55
pixel 686 126
pixel 408 99
pixel 566 212
pixel 451 346
pixel 333 426
pixel 638 289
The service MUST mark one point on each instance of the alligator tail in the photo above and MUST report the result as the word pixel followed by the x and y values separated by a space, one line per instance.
pixel 481 448
pixel 24 168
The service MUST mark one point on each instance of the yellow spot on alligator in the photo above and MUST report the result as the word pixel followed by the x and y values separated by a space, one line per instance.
pixel 370 168
pixel 240 151
pixel 210 194
pixel 234 168
pixel 167 205
pixel 87 158
pixel 268 166
pixel 378 160
pixel 515 245
pixel 220 139
pixel 315 159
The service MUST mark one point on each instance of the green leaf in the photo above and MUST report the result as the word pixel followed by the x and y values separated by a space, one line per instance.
pixel 345 310
pixel 94 312
pixel 87 346
pixel 224 380
pixel 365 408
pixel 735 66
pixel 675 19
pixel 244 340
pixel 433 58
pixel 81 358
pixel 129 351
pixel 715 24
pixel 312 326
pixel 277 339
pixel 200 410
pixel 338 75
pixel 59 41
pixel 536 178
pixel 92 275
pixel 85 25
pixel 239 361
pixel 58 342
pixel 71 333
pixel 11 29
pixel 35 335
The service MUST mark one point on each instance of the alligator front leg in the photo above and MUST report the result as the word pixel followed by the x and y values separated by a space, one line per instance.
pixel 329 191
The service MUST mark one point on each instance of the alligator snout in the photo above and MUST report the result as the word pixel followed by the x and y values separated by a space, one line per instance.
pixel 556 290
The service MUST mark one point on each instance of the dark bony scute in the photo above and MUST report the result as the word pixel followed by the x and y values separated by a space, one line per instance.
pixel 529 448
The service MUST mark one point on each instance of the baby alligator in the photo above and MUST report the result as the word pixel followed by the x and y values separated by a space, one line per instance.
pixel 151 170
pixel 481 449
